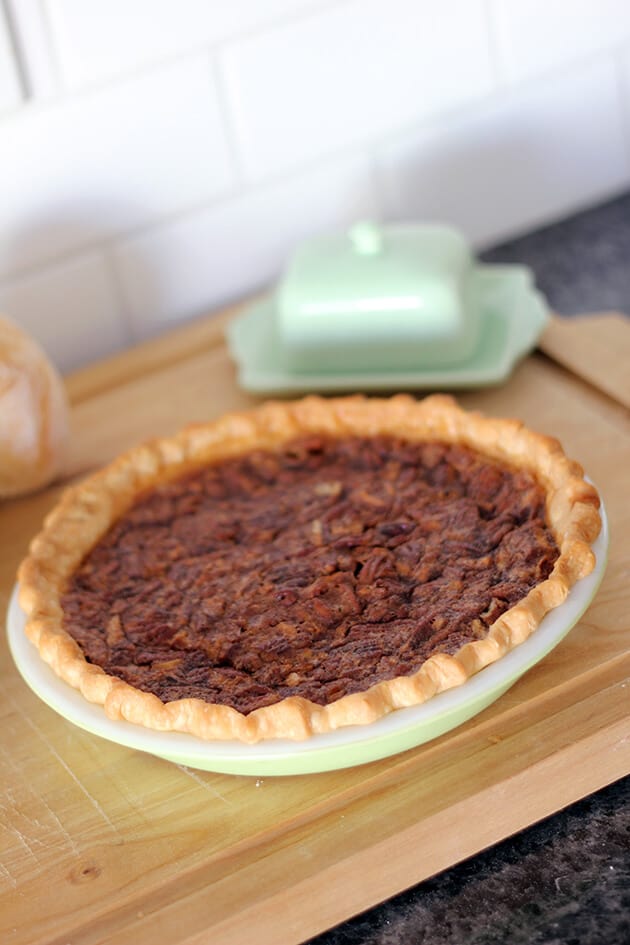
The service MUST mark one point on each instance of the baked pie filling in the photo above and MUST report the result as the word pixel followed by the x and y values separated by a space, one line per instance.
pixel 317 571
pixel 306 566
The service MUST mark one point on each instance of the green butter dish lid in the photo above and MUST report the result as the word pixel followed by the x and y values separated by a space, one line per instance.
pixel 375 286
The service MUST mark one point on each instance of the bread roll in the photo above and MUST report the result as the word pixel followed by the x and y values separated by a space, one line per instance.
pixel 33 414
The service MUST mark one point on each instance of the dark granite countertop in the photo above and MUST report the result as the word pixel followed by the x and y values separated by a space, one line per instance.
pixel 566 880
pixel 582 264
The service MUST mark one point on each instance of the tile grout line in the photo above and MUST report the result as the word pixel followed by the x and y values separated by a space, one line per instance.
pixel 115 281
pixel 494 47
pixel 51 47
pixel 7 13
pixel 217 71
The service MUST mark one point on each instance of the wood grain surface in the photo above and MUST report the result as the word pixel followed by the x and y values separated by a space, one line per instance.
pixel 101 844
pixel 596 348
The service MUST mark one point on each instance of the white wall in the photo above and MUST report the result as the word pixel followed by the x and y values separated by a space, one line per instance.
pixel 161 157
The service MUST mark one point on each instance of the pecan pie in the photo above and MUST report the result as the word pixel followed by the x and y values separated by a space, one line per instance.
pixel 306 565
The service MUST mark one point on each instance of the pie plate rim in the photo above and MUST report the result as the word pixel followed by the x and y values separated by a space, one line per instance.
pixel 399 731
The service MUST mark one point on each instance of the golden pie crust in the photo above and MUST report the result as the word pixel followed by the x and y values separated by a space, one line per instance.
pixel 86 512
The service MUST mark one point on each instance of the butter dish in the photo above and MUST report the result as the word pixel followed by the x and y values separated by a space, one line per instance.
pixel 384 308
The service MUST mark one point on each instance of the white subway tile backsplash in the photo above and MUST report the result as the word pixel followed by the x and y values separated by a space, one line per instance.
pixel 536 36
pixel 79 171
pixel 10 88
pixel 362 69
pixel 188 267
pixel 159 158
pixel 71 309
pixel 509 166
pixel 101 38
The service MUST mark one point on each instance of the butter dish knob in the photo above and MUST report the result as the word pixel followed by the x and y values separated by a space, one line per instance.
pixel 367 238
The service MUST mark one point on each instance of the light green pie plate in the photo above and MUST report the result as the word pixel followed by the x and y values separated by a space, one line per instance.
pixel 403 729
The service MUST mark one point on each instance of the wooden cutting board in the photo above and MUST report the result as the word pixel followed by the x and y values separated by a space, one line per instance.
pixel 103 844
